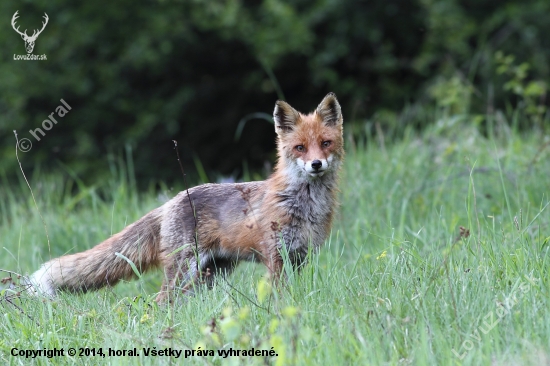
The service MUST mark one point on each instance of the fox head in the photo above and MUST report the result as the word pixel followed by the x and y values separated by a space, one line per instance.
pixel 309 146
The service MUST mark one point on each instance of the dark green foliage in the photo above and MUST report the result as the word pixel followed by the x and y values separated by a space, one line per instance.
pixel 142 74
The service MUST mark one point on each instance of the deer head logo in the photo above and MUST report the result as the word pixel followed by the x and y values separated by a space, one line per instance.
pixel 29 40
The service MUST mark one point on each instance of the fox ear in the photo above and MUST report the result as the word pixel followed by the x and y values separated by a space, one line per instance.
pixel 285 117
pixel 330 110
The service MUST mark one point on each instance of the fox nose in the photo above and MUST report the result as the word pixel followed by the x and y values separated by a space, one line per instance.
pixel 316 164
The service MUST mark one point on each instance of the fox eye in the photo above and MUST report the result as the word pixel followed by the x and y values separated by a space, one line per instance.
pixel 300 148
pixel 326 143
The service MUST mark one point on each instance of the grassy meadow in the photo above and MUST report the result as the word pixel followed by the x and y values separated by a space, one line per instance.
pixel 439 256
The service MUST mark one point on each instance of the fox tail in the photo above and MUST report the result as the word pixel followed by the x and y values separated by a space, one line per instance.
pixel 102 265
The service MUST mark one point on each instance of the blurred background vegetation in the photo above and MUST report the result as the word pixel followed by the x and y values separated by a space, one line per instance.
pixel 141 74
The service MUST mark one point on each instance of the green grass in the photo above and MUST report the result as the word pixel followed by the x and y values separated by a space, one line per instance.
pixel 395 284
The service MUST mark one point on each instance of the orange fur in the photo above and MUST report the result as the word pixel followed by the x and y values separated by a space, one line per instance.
pixel 225 223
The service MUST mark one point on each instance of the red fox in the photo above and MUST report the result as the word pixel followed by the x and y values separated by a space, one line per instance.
pixel 206 230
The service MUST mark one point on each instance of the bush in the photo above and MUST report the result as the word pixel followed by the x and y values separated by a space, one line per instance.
pixel 144 75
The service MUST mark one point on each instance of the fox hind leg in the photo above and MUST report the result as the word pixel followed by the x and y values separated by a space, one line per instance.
pixel 180 268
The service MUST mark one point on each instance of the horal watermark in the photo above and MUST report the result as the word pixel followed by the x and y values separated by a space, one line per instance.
pixel 25 144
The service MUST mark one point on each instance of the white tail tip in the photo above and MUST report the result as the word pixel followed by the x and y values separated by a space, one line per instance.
pixel 40 282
